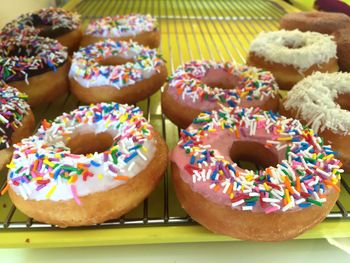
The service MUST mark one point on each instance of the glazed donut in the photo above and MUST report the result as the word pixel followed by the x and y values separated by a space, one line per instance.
pixel 202 85
pixel 322 22
pixel 342 38
pixel 36 66
pixel 296 188
pixel 292 55
pixel 16 120
pixel 342 6
pixel 91 165
pixel 120 71
pixel 136 27
pixel 56 23
pixel 322 101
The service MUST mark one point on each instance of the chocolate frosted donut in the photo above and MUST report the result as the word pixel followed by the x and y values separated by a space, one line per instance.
pixel 56 23
pixel 322 22
pixel 35 65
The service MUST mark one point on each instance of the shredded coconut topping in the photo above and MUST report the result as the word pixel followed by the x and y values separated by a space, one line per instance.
pixel 298 49
pixel 314 100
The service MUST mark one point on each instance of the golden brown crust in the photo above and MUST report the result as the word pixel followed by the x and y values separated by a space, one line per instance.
pixel 102 206
pixel 183 115
pixel 286 75
pixel 45 87
pixel 246 224
pixel 342 38
pixel 322 22
pixel 131 94
pixel 19 133
pixel 150 39
pixel 71 40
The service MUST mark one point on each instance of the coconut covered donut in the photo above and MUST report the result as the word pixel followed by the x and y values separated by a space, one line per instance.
pixel 120 71
pixel 91 165
pixel 56 23
pixel 292 55
pixel 16 120
pixel 136 27
pixel 322 22
pixel 202 85
pixel 322 102
pixel 295 190
pixel 36 66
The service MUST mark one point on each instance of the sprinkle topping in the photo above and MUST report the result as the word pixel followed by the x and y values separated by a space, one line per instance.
pixel 298 49
pixel 25 56
pixel 306 172
pixel 87 70
pixel 13 108
pixel 121 25
pixel 43 166
pixel 252 84
pixel 56 18
pixel 314 98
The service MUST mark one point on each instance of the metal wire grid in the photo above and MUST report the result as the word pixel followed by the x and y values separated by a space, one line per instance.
pixel 216 30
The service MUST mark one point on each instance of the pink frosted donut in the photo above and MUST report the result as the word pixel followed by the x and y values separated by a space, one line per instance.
pixel 199 86
pixel 296 188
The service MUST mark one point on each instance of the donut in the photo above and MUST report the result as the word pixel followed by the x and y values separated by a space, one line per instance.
pixel 56 23
pixel 294 190
pixel 202 85
pixel 342 38
pixel 322 22
pixel 36 66
pixel 322 102
pixel 136 27
pixel 88 166
pixel 342 6
pixel 16 120
pixel 120 71
pixel 292 55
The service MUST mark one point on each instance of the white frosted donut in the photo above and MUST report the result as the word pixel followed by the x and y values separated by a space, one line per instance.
pixel 49 168
pixel 298 49
pixel 121 25
pixel 137 27
pixel 140 64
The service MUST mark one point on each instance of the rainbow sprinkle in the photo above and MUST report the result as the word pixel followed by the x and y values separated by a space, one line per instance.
pixel 253 84
pixel 88 72
pixel 306 173
pixel 13 108
pixel 43 166
pixel 24 56
pixel 56 18
pixel 121 25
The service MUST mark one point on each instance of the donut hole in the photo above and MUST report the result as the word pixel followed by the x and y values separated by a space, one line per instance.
pixel 114 61
pixel 219 78
pixel 343 100
pixel 252 155
pixel 294 43
pixel 87 143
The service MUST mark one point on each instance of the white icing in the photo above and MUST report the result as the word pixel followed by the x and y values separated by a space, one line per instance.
pixel 314 100
pixel 310 48
pixel 48 142
pixel 86 70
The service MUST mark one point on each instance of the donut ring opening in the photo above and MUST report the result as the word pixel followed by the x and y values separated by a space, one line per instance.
pixel 343 101
pixel 253 152
pixel 219 78
pixel 90 143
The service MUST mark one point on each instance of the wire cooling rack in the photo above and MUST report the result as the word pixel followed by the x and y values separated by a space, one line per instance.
pixel 196 29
